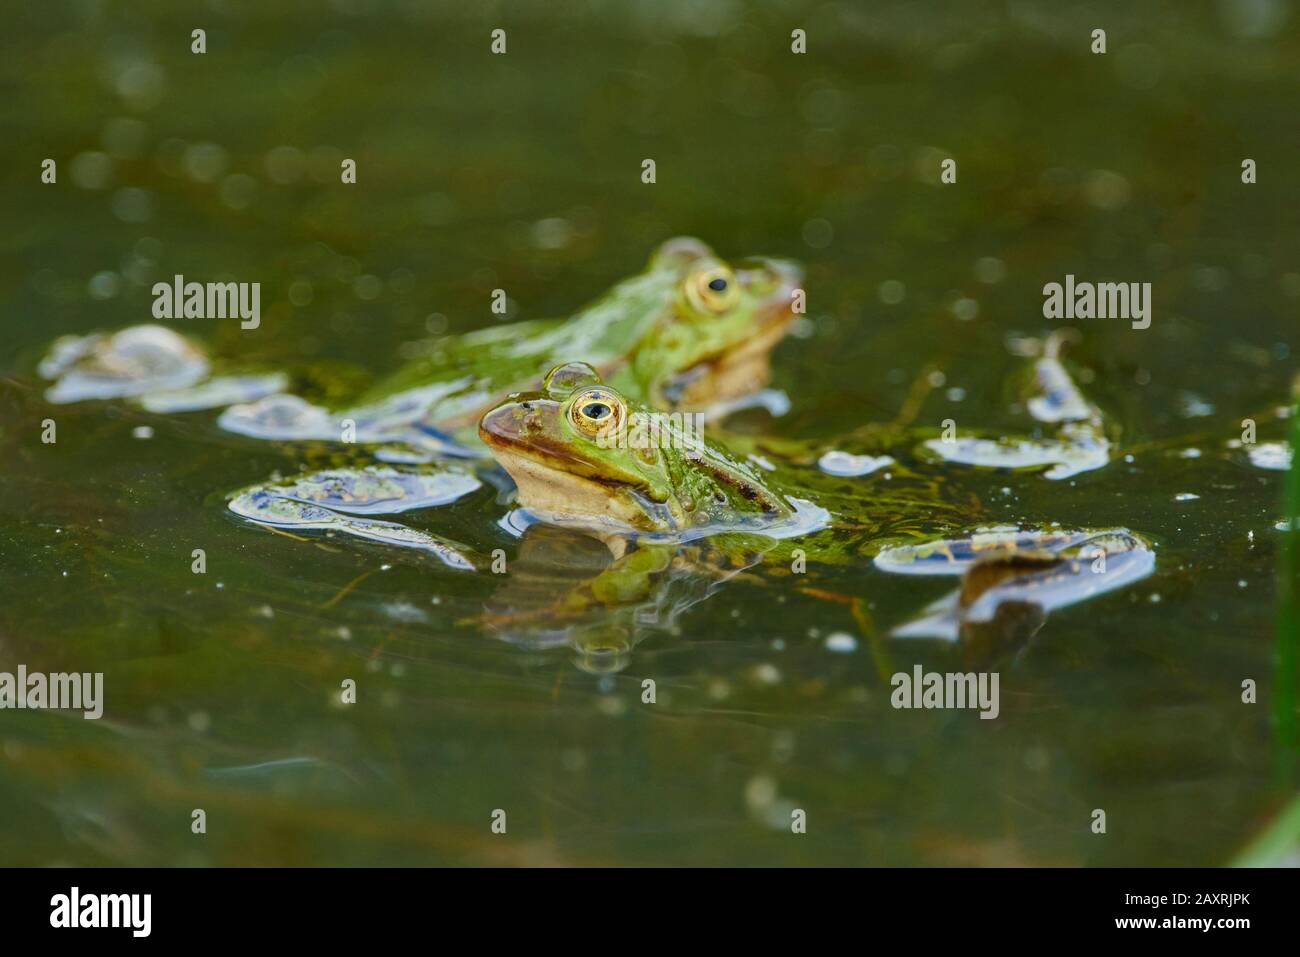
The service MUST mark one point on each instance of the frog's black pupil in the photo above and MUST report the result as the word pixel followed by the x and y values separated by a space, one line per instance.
pixel 595 410
pixel 718 285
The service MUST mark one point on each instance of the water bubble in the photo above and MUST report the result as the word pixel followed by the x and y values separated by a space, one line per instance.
pixel 132 205
pixel 300 292
pixel 1106 189
pixel 141 84
pixel 965 309
pixel 990 270
pixel 841 642
pixel 237 190
pixel 285 164
pixel 367 286
pixel 104 285
pixel 91 170
pixel 818 233
pixel 204 162
pixel 892 292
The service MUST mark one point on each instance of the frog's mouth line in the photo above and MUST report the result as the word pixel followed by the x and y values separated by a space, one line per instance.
pixel 553 492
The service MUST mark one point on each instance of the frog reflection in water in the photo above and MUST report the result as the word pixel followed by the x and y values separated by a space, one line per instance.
pixel 691 328
pixel 673 507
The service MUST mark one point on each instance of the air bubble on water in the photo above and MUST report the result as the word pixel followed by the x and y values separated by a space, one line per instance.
pixel 132 205
pixel 104 285
pixel 847 465
pixel 1241 583
pixel 237 190
pixel 367 286
pixel 204 162
pixel 91 170
pixel 285 164
pixel 965 309
pixel 1190 454
pixel 300 292
pixel 818 233
pixel 142 432
pixel 1274 456
pixel 990 270
pixel 1186 497
pixel 552 233
pixel 760 793
pixel 892 292
pixel 767 674
pixel 841 643
pixel 404 611
pixel 1192 406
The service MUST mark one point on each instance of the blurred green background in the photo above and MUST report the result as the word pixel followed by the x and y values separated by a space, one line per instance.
pixel 522 171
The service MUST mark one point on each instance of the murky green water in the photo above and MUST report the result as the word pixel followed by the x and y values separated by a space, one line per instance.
pixel 523 172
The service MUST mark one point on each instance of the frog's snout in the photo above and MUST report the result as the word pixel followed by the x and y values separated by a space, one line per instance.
pixel 509 422
pixel 774 280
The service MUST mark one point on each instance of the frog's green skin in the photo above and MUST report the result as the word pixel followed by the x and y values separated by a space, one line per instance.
pixel 666 336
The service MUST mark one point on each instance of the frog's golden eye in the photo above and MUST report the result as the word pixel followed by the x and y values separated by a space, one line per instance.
pixel 713 289
pixel 596 411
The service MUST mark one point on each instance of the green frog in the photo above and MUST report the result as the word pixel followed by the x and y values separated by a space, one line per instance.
pixel 586 457
pixel 690 329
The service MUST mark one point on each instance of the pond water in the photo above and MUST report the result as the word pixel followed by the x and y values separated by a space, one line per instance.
pixel 523 172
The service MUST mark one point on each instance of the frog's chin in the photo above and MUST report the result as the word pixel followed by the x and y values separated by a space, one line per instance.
pixel 740 371
pixel 560 497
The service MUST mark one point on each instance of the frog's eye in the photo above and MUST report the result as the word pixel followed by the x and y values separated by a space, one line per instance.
pixel 596 411
pixel 712 290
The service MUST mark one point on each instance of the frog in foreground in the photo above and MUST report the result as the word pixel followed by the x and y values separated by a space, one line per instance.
pixel 579 454
pixel 691 329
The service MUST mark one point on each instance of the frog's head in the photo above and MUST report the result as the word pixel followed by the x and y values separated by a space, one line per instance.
pixel 719 328
pixel 581 453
